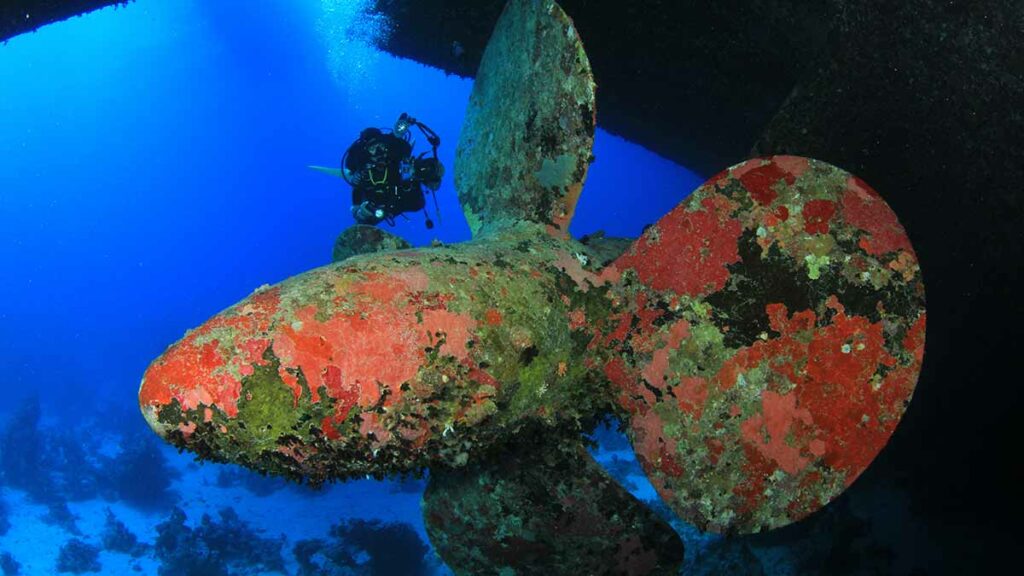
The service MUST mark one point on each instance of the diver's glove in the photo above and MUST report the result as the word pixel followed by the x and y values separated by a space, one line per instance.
pixel 367 213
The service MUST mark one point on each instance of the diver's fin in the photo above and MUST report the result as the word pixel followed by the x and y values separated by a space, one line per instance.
pixel 544 509
pixel 336 172
pixel 781 337
pixel 527 139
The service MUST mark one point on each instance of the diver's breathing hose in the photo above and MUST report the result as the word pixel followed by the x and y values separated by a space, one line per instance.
pixel 369 172
pixel 437 208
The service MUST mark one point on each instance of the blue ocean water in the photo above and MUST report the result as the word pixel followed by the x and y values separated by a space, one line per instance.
pixel 153 172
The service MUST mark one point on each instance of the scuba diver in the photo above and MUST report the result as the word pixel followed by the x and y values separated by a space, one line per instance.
pixel 386 179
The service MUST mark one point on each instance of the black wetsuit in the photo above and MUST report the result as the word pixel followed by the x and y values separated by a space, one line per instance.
pixel 374 168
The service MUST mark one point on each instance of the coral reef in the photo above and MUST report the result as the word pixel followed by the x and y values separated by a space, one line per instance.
pixel 393 548
pixel 78 557
pixel 140 475
pixel 117 537
pixel 5 521
pixel 76 471
pixel 22 452
pixel 50 465
pixel 214 547
pixel 8 565
pixel 364 548
pixel 58 514
pixel 181 553
pixel 313 559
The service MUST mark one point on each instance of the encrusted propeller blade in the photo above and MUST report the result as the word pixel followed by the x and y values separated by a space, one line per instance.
pixel 779 338
pixel 545 509
pixel 389 362
pixel 763 338
pixel 529 129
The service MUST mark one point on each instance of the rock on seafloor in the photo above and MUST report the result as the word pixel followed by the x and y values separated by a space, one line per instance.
pixel 543 508
pixel 362 239
pixel 781 336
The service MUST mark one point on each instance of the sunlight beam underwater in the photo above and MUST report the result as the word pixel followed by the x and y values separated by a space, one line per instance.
pixel 761 341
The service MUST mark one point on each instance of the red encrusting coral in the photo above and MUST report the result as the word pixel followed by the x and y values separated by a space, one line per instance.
pixel 492 316
pixel 817 215
pixel 768 431
pixel 352 355
pixel 691 395
pixel 756 470
pixel 805 399
pixel 688 253
pixel 832 368
pixel 378 346
pixel 194 371
pixel 793 166
pixel 759 177
pixel 657 369
pixel 633 396
pixel 865 209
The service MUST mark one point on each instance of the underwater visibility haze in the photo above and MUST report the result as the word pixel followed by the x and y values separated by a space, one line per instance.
pixel 505 341
pixel 153 170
